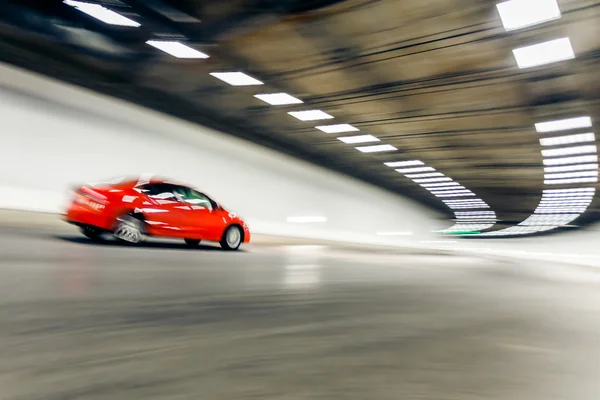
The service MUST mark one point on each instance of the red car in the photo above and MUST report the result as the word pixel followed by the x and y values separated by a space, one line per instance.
pixel 132 209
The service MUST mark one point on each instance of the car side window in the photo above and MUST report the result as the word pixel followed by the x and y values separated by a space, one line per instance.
pixel 195 198
pixel 159 191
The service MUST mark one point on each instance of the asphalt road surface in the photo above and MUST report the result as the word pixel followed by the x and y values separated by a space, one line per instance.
pixel 105 321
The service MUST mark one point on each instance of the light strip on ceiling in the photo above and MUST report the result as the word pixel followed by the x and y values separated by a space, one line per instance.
pixel 446 188
pixel 567 151
pixel 439 185
pixel 563 124
pixel 339 128
pixel 452 191
pixel 414 170
pixel 569 181
pixel 428 180
pixel 410 163
pixel 569 168
pixel 376 149
pixel 176 49
pixel 544 53
pixel 517 14
pixel 310 115
pixel 568 139
pixel 462 201
pixel 583 174
pixel 236 78
pixel 571 160
pixel 455 195
pixel 358 139
pixel 278 99
pixel 573 190
pixel 102 14
pixel 426 175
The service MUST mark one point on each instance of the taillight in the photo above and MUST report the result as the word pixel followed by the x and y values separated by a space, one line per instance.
pixel 90 198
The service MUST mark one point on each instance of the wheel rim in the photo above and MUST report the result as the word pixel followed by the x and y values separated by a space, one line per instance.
pixel 129 230
pixel 233 237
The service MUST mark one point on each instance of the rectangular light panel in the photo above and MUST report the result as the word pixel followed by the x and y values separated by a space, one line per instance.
pixel 571 160
pixel 569 181
pixel 439 185
pixel 517 14
pixel 413 170
pixel 566 151
pixel 310 115
pixel 568 139
pixel 568 168
pixel 101 13
pixel 339 128
pixel 358 139
pixel 428 180
pixel 278 99
pixel 544 53
pixel 447 188
pixel 236 78
pixel 376 149
pixel 574 190
pixel 176 49
pixel 563 175
pixel 564 124
pixel 397 164
pixel 426 175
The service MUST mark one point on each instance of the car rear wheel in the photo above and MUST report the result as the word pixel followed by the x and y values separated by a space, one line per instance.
pixel 91 232
pixel 129 228
pixel 192 242
pixel 232 238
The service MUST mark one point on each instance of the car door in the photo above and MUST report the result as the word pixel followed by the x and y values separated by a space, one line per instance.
pixel 205 221
pixel 164 211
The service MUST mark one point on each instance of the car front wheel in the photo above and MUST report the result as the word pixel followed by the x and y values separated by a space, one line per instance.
pixel 232 238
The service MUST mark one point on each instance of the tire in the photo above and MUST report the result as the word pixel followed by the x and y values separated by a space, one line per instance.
pixel 91 232
pixel 129 228
pixel 232 238
pixel 192 242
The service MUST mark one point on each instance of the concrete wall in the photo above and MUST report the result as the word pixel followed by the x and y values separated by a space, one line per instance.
pixel 55 134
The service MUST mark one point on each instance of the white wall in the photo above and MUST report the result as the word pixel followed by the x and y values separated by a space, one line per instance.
pixel 55 134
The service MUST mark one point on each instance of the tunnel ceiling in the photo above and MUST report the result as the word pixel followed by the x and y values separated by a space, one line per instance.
pixel 436 79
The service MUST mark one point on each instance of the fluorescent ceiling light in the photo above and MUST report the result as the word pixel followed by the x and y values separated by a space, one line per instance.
pixel 474 206
pixel 446 188
pixel 568 197
pixel 310 115
pixel 278 99
pixel 404 163
pixel 236 78
pixel 463 201
pixel 565 203
pixel 569 139
pixel 176 49
pixel 377 148
pixel 306 219
pixel 101 13
pixel 574 190
pixel 566 151
pixel 559 210
pixel 426 175
pixel 571 175
pixel 394 233
pixel 568 168
pixel 571 160
pixel 339 128
pixel 452 191
pixel 544 53
pixel 563 124
pixel 358 139
pixel 516 14
pixel 413 170
pixel 470 213
pixel 567 181
pixel 455 195
pixel 439 185
pixel 427 180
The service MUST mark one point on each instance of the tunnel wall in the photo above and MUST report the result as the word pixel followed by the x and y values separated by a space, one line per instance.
pixel 54 135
